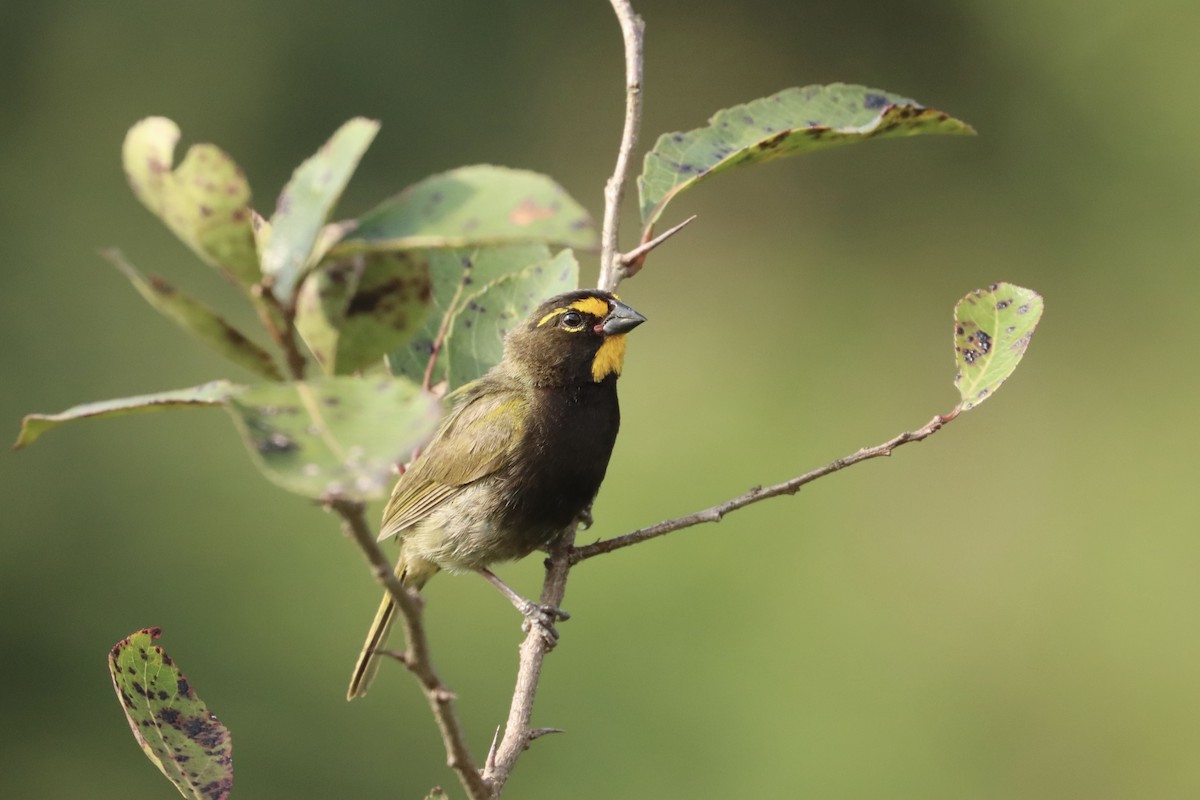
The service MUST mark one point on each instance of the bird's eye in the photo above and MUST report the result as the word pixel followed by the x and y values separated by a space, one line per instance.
pixel 572 319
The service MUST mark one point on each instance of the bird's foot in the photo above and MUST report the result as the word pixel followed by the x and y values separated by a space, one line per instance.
pixel 542 618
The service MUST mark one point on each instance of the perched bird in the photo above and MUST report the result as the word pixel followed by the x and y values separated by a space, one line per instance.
pixel 519 457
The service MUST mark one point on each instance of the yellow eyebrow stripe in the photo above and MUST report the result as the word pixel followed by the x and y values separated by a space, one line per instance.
pixel 588 305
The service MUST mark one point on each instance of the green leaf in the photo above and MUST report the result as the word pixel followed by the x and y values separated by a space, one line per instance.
pixel 992 329
pixel 204 201
pixel 174 727
pixel 209 394
pixel 457 274
pixel 794 121
pixel 306 202
pixel 336 436
pixel 354 310
pixel 198 320
pixel 476 340
pixel 474 206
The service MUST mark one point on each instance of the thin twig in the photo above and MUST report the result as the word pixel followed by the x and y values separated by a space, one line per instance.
pixel 631 30
pixel 631 262
pixel 271 311
pixel 715 513
pixel 517 733
pixel 416 657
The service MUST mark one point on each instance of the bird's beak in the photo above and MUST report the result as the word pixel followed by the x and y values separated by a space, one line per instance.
pixel 622 319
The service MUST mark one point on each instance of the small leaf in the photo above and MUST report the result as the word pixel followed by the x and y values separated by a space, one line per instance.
pixel 204 201
pixel 209 394
pixel 353 311
pixel 305 204
pixel 992 329
pixel 198 320
pixel 457 274
pixel 336 436
pixel 474 206
pixel 794 121
pixel 476 340
pixel 174 727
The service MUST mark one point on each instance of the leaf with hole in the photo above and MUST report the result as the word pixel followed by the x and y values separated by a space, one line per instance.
pixel 992 330
pixel 334 437
pixel 198 319
pixel 791 122
pixel 208 394
pixel 471 207
pixel 305 204
pixel 172 725
pixel 352 311
pixel 476 339
pixel 204 201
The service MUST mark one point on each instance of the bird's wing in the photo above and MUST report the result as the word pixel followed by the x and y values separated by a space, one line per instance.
pixel 477 438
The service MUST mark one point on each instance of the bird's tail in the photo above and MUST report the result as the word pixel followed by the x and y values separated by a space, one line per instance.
pixel 368 660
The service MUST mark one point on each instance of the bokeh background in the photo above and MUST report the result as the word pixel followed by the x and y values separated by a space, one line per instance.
pixel 1006 610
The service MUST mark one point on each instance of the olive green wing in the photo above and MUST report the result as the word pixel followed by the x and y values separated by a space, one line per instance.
pixel 477 438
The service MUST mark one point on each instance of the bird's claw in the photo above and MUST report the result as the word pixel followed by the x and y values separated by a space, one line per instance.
pixel 542 619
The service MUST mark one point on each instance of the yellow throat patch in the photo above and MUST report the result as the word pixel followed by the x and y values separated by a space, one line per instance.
pixel 609 358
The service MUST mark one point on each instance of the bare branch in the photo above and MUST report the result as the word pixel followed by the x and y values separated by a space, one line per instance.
pixel 717 512
pixel 631 30
pixel 517 733
pixel 416 657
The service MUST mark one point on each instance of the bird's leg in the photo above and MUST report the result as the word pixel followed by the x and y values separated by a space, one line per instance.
pixel 536 616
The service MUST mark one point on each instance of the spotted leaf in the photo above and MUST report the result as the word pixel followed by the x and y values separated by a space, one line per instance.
pixel 354 310
pixel 794 121
pixel 338 436
pixel 204 201
pixel 992 329
pixel 305 204
pixel 476 339
pixel 474 206
pixel 174 727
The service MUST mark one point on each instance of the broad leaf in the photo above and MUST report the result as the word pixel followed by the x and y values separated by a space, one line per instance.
pixel 474 206
pixel 198 320
pixel 794 121
pixel 476 340
pixel 174 727
pixel 992 329
pixel 204 201
pixel 455 275
pixel 336 436
pixel 306 202
pixel 209 394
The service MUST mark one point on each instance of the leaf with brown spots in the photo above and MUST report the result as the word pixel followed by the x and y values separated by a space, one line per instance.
pixel 992 329
pixel 338 436
pixel 456 275
pixel 204 201
pixel 474 206
pixel 305 204
pixel 198 320
pixel 174 727
pixel 476 339
pixel 354 310
pixel 209 394
pixel 791 122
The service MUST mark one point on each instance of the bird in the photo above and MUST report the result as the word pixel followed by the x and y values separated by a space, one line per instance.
pixel 518 458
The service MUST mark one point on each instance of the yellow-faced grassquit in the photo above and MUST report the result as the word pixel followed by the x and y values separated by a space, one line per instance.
pixel 519 457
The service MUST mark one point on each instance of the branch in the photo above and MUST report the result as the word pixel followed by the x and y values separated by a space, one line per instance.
pixel 631 30
pixel 416 657
pixel 517 733
pixel 717 512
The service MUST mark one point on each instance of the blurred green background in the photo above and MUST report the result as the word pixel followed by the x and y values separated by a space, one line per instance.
pixel 1006 610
